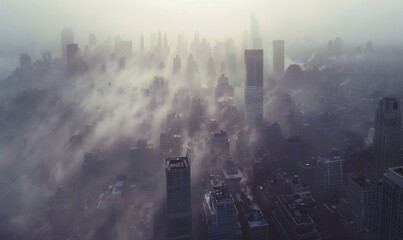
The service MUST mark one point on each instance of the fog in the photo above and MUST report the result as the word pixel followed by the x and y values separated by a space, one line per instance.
pixel 106 96
pixel 33 24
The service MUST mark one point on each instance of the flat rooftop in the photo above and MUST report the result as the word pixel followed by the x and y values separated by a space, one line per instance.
pixel 363 181
pixel 307 164
pixel 296 206
pixel 177 162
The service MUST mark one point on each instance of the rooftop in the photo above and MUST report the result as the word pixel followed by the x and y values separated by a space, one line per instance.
pixel 297 205
pixel 363 181
pixel 177 162
pixel 307 164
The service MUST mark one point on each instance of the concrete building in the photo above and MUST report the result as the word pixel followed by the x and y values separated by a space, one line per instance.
pixel 388 124
pixel 254 225
pixel 278 59
pixel 179 210
pixel 392 205
pixel 254 87
pixel 67 37
pixel 330 177
pixel 220 215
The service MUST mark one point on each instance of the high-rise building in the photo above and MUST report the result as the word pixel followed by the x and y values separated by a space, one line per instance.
pixel 92 40
pixel 330 177
pixel 220 145
pixel 294 152
pixel 392 205
pixel 219 214
pixel 254 33
pixel 254 87
pixel 224 89
pixel 296 217
pixel 72 52
pixel 278 58
pixel 364 197
pixel 176 64
pixel 67 37
pixel 179 210
pixel 254 225
pixel 25 65
pixel 388 124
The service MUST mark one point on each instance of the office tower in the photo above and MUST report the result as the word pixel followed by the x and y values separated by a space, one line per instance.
pixel 159 42
pixel 224 89
pixel 296 217
pixel 330 177
pixel 330 47
pixel 306 171
pixel 219 145
pixel 179 210
pixel 220 214
pixel 253 224
pixel 92 40
pixel 72 52
pixel 67 38
pixel 278 59
pixel 141 156
pixel 25 65
pixel 92 168
pixel 47 58
pixel 388 123
pixel 254 87
pixel 177 64
pixel 338 46
pixel 364 197
pixel 392 205
pixel 294 152
pixel 254 33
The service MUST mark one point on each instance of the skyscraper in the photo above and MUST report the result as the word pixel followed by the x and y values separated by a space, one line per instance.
pixel 254 32
pixel 294 151
pixel 220 214
pixel 254 87
pixel 278 58
pixel 67 37
pixel 388 123
pixel 72 51
pixel 392 205
pixel 25 65
pixel 330 177
pixel 179 211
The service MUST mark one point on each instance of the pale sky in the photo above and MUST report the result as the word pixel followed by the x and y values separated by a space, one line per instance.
pixel 39 22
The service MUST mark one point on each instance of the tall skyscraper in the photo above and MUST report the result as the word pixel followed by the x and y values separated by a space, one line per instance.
pixel 392 205
pixel 67 38
pixel 72 51
pixel 25 65
pixel 254 32
pixel 176 64
pixel 254 87
pixel 294 152
pixel 388 123
pixel 330 177
pixel 278 58
pixel 179 211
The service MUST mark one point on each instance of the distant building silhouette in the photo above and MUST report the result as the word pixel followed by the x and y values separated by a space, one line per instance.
pixel 176 64
pixel 254 87
pixel 388 124
pixel 72 54
pixel 278 59
pixel 25 65
pixel 67 37
pixel 178 189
